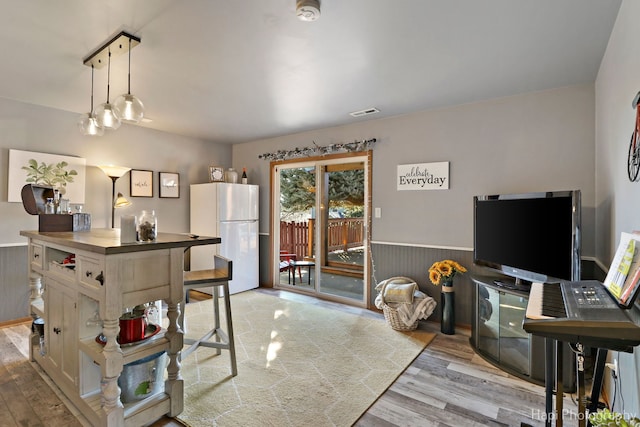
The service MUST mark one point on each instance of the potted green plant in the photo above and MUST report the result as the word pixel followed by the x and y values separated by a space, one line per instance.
pixel 605 417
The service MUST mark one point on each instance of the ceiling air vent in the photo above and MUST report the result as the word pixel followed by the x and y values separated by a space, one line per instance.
pixel 366 112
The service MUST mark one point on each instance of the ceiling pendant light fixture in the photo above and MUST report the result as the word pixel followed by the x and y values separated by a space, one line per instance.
pixel 105 113
pixel 128 107
pixel 308 10
pixel 109 116
pixel 88 123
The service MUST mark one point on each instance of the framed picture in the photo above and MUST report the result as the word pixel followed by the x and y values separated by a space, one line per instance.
pixel 141 183
pixel 216 174
pixel 169 184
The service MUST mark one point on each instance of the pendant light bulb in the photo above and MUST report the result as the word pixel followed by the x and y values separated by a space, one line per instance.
pixel 105 113
pixel 88 123
pixel 128 107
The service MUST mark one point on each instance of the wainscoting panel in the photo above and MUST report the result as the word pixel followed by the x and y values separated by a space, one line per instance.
pixel 414 262
pixel 14 283
pixel 391 260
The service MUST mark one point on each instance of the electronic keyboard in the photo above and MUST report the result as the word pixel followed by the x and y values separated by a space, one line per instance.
pixel 581 312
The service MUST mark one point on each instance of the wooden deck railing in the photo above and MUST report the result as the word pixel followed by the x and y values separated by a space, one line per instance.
pixel 294 238
pixel 345 233
pixel 342 233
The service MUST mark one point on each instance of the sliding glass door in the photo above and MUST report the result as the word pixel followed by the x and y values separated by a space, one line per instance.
pixel 320 226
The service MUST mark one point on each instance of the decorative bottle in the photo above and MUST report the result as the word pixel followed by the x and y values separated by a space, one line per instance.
pixel 232 176
pixel 147 226
pixel 244 175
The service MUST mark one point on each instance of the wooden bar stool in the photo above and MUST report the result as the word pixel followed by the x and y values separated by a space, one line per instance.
pixel 218 277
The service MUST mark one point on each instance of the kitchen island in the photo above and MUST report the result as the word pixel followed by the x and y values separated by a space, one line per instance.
pixel 83 299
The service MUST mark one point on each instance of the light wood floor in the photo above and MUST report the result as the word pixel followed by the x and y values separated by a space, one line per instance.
pixel 447 385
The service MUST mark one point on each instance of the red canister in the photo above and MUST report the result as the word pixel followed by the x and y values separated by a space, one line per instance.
pixel 132 327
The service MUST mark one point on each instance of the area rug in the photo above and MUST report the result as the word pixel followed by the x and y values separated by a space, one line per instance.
pixel 298 364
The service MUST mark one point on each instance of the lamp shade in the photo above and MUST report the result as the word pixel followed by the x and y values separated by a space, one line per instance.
pixel 128 108
pixel 107 117
pixel 89 125
pixel 114 171
pixel 121 201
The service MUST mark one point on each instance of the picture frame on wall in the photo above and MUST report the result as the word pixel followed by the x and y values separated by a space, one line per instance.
pixel 141 183
pixel 169 184
pixel 216 174
pixel 66 173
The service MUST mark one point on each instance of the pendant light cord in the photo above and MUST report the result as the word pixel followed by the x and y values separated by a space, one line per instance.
pixel 129 75
pixel 91 90
pixel 108 75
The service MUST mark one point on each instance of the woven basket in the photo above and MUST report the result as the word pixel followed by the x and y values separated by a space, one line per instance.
pixel 393 318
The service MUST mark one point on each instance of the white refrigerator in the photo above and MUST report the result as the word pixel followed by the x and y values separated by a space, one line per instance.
pixel 228 211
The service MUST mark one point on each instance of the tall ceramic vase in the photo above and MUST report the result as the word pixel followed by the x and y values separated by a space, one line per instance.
pixel 447 305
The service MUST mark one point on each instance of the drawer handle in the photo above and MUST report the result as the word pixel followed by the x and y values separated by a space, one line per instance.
pixel 89 273
pixel 100 279
pixel 36 255
pixel 57 330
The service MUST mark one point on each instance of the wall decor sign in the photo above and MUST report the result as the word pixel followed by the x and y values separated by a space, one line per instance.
pixel 141 183
pixel 424 176
pixel 66 173
pixel 169 184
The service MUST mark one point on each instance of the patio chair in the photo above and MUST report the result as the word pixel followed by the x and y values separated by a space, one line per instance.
pixel 286 260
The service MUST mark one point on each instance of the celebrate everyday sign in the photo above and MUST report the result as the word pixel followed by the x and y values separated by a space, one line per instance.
pixel 424 176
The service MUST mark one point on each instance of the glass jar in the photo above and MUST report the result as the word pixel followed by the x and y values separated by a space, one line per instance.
pixel 49 207
pixel 232 176
pixel 64 206
pixel 147 226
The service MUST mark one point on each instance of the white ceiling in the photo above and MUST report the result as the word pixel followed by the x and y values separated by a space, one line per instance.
pixel 230 71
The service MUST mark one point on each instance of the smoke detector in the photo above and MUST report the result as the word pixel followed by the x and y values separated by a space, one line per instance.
pixel 308 10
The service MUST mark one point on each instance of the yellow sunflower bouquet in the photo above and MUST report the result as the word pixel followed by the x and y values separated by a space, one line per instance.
pixel 442 272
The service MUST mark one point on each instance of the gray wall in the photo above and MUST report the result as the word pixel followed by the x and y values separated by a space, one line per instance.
pixel 617 199
pixel 14 283
pixel 539 141
pixel 32 128
pixel 532 142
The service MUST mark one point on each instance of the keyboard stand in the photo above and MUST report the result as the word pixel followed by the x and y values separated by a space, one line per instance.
pixel 553 347
pixel 598 377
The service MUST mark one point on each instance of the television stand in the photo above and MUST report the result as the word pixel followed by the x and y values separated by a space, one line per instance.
pixel 497 335
pixel 518 284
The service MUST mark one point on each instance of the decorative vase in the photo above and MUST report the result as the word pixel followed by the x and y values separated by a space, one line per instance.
pixel 447 305
pixel 231 176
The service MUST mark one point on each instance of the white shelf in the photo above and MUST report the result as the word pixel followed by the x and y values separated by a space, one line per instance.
pixel 130 353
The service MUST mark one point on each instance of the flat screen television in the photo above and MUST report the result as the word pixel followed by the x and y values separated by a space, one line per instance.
pixel 532 237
